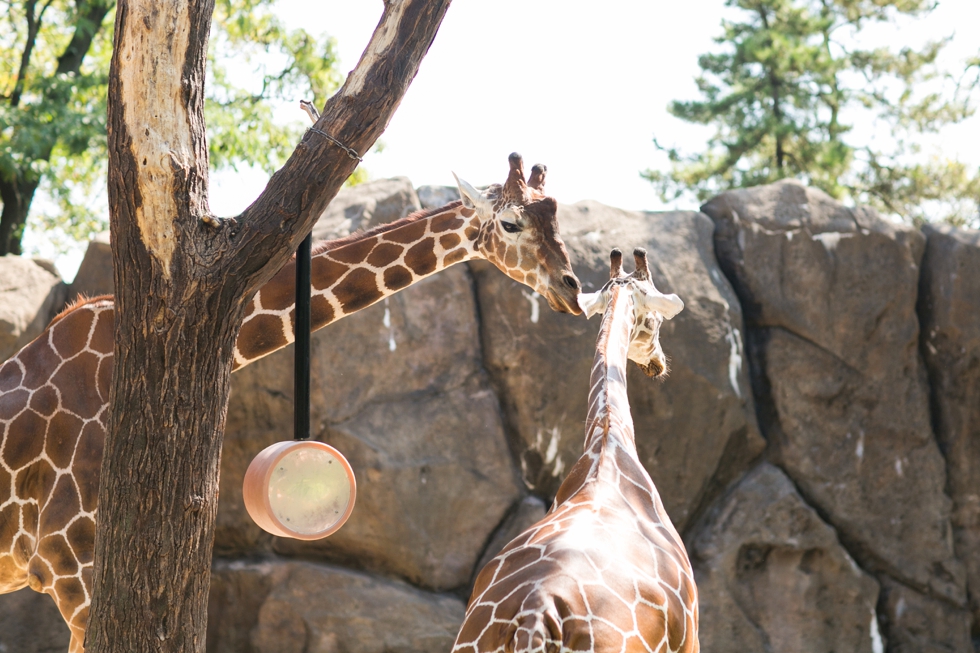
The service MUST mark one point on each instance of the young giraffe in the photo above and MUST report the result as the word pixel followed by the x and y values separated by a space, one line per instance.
pixel 54 392
pixel 604 571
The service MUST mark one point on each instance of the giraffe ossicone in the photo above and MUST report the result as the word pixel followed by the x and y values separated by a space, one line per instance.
pixel 54 393
pixel 605 570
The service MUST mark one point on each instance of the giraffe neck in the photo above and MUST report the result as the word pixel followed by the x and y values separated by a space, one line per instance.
pixel 355 272
pixel 609 437
pixel 610 420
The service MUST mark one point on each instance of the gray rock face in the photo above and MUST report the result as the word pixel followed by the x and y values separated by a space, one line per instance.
pixel 432 197
pixel 31 293
pixel 400 390
pixel 367 205
pixel 772 576
pixel 30 623
pixel 695 431
pixel 94 276
pixel 949 308
pixel 829 295
pixel 287 607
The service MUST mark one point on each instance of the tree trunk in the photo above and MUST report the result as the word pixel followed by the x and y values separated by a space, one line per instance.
pixel 182 281
pixel 16 196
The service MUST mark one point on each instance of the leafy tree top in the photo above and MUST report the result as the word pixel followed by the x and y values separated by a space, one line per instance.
pixel 54 62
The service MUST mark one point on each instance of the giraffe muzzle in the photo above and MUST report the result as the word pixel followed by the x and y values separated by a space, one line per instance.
pixel 565 301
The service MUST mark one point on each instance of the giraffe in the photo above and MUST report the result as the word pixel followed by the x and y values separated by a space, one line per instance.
pixel 605 570
pixel 54 392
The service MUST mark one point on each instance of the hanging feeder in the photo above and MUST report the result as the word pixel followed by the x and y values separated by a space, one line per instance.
pixel 301 489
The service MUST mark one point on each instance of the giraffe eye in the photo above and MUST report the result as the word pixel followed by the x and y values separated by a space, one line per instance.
pixel 510 227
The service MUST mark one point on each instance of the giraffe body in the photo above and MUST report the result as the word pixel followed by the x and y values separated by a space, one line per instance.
pixel 54 393
pixel 605 571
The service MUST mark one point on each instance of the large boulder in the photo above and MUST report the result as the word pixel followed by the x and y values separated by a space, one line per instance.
pixel 31 293
pixel 366 205
pixel 829 294
pixel 296 607
pixel 772 576
pixel 399 388
pixel 94 276
pixel 30 623
pixel 696 431
pixel 949 308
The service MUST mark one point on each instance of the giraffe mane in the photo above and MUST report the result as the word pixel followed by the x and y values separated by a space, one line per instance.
pixel 75 304
pixel 327 245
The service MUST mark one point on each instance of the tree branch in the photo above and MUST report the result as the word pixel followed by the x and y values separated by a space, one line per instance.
pixel 356 115
pixel 87 26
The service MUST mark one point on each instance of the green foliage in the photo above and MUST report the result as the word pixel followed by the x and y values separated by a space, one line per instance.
pixel 241 117
pixel 777 95
pixel 53 102
pixel 51 119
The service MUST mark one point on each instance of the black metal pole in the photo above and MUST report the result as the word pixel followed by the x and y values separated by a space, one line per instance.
pixel 301 332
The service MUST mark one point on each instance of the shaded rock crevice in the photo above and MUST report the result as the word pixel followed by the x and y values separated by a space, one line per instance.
pixel 833 342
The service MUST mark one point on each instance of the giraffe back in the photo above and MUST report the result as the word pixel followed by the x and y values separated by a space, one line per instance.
pixel 54 398
pixel 603 571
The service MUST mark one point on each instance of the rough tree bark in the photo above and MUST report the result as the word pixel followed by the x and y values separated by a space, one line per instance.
pixel 182 282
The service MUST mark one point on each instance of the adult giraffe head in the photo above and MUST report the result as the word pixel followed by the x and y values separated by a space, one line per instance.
pixel 518 232
pixel 652 308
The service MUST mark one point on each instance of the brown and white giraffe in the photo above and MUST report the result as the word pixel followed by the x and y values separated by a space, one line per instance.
pixel 54 392
pixel 605 570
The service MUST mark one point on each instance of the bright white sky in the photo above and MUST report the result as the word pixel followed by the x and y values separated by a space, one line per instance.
pixel 580 86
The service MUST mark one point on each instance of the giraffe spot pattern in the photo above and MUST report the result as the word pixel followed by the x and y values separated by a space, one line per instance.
pixel 397 278
pixel 324 273
pixel 421 257
pixel 45 401
pixel 510 258
pixel 357 290
pixel 78 395
pixel 11 376
pixel 357 251
pixel 83 530
pixel 278 296
pixel 55 549
pixel 384 254
pixel 13 403
pixel 411 233
pixel 62 506
pixel 88 454
pixel 449 241
pixel 29 519
pixel 43 359
pixel 454 256
pixel 70 594
pixel 446 222
pixel 69 339
pixel 261 334
pixel 321 311
pixel 24 441
pixel 41 404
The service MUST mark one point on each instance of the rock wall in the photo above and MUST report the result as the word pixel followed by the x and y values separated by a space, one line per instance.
pixel 818 450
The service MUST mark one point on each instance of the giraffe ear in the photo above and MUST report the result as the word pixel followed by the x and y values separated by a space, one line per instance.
pixel 592 303
pixel 472 198
pixel 667 305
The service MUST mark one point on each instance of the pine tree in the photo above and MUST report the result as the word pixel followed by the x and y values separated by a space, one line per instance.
pixel 780 92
